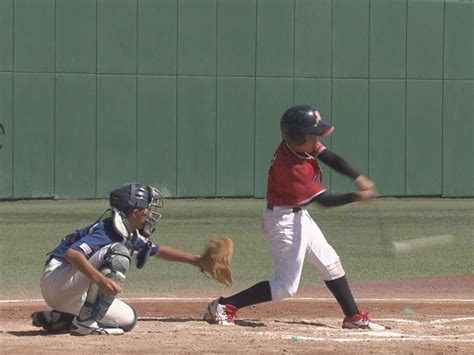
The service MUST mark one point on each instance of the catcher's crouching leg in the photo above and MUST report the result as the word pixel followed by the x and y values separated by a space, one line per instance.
pixel 52 321
pixel 122 314
pixel 94 316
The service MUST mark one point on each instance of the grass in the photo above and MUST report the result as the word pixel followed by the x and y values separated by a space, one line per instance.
pixel 360 233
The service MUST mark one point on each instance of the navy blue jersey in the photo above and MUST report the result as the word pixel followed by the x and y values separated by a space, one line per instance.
pixel 89 239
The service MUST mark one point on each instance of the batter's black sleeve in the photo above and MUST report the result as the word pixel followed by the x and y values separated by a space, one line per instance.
pixel 326 200
pixel 338 164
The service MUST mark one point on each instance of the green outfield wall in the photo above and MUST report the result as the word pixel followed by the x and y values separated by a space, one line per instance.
pixel 187 94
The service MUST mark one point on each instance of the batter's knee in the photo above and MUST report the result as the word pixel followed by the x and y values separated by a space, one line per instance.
pixel 333 271
pixel 282 289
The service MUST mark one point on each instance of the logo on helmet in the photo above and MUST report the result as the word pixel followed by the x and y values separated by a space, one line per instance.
pixel 300 120
pixel 318 116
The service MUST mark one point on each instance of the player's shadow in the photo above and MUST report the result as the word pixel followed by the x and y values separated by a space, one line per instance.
pixel 249 323
pixel 302 322
pixel 32 333
pixel 171 320
pixel 243 323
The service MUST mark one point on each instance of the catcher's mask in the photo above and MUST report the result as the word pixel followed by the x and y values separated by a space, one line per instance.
pixel 301 119
pixel 132 196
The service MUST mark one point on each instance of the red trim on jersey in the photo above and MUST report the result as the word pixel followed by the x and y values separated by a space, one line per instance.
pixel 311 197
pixel 320 147
pixel 294 180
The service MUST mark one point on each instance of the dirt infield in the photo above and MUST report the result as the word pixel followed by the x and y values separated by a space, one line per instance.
pixel 425 316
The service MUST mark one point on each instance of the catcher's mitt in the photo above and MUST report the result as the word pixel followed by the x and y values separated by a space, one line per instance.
pixel 216 259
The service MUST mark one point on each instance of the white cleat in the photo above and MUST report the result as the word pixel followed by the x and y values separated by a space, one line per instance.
pixel 222 314
pixel 361 320
pixel 92 327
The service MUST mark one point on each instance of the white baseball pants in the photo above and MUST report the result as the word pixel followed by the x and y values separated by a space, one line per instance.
pixel 294 237
pixel 64 289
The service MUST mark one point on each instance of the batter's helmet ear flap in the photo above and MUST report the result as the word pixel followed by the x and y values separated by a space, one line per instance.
pixel 121 224
pixel 300 120
pixel 289 134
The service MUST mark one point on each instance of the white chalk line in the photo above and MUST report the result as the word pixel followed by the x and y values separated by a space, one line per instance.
pixel 296 299
pixel 398 320
pixel 436 321
pixel 401 338
pixel 372 336
pixel 443 321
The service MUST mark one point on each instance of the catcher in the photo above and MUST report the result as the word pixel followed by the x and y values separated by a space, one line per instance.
pixel 85 272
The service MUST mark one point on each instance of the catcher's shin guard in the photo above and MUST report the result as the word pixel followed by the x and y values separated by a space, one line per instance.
pixel 116 263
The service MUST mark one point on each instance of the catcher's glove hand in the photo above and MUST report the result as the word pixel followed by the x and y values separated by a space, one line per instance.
pixel 216 259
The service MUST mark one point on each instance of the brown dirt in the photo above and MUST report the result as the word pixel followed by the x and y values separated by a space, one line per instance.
pixel 425 316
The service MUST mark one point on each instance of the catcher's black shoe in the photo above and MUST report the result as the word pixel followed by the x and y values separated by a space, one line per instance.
pixel 52 321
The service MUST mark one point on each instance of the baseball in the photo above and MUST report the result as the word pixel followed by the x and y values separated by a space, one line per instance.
pixel 407 246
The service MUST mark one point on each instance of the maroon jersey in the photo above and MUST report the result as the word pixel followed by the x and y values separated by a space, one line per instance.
pixel 294 179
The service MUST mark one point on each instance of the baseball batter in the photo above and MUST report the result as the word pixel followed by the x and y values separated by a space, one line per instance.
pixel 85 272
pixel 295 180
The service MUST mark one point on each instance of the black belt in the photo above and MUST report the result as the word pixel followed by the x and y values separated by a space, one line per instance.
pixel 294 209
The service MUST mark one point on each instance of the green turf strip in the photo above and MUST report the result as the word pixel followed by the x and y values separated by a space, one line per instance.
pixel 360 233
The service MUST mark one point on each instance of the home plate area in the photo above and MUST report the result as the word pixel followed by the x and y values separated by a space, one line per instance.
pixel 299 325
pixel 414 332
pixel 424 316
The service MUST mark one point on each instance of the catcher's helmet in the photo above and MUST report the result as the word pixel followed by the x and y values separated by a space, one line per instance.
pixel 134 195
pixel 130 196
pixel 301 119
